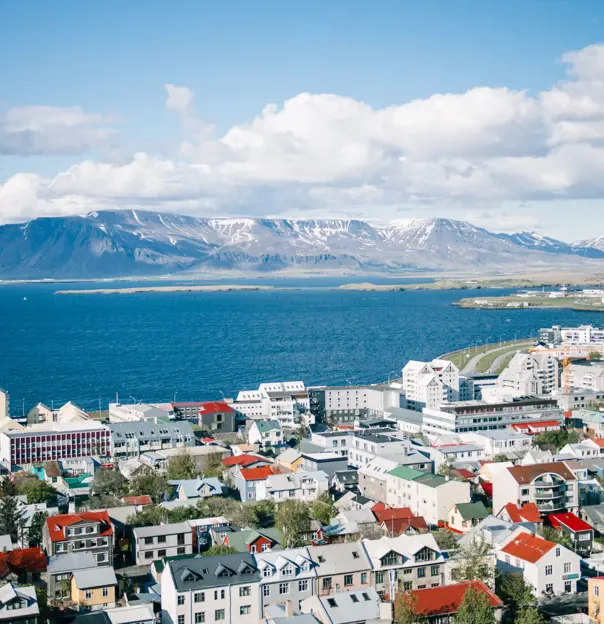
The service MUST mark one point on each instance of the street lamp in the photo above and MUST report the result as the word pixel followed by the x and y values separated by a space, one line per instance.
pixel 390 373
pixel 131 397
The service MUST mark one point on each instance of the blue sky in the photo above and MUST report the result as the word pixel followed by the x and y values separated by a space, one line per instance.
pixel 113 60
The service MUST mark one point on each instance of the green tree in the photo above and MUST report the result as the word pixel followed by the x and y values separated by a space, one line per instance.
pixel 218 550
pixel 500 458
pixel 182 514
pixel 405 610
pixel 323 508
pixel 293 520
pixel 474 562
pixel 39 492
pixel 103 501
pixel 555 440
pixel 553 535
pixel 594 355
pixel 34 533
pixel 445 539
pixel 182 466
pixel 529 616
pixel 148 516
pixel 475 608
pixel 109 482
pixel 147 482
pixel 220 506
pixel 515 592
pixel 12 515
pixel 445 469
pixel 213 466
pixel 264 511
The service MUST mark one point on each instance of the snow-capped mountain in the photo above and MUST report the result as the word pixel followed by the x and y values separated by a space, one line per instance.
pixel 130 243
pixel 591 243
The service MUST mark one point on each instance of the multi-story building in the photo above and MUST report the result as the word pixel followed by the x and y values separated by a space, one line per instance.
pixel 405 562
pixel 341 567
pixel 499 442
pixel 4 404
pixel 301 485
pixel 222 589
pixel 333 441
pixel 349 607
pixel 588 376
pixel 328 462
pixel 19 604
pixel 551 486
pixel 61 568
pixel 367 444
pixel 372 478
pixel 586 335
pixel 135 412
pixel 266 433
pixel 164 540
pixel 288 402
pixel 89 531
pixel 132 439
pixel 468 416
pixel 286 578
pixel 216 417
pixel 247 480
pixel 578 531
pixel 429 384
pixel 94 590
pixel 529 374
pixel 427 495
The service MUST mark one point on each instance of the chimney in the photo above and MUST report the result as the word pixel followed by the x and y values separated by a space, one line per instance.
pixel 289 609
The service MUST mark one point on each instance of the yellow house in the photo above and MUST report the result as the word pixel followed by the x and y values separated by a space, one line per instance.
pixel 94 588
pixel 595 593
pixel 290 459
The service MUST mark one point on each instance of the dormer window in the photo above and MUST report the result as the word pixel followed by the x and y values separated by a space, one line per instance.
pixel 267 572
pixel 391 558
pixel 287 570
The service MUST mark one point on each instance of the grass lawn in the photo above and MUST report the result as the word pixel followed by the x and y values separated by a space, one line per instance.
pixel 484 363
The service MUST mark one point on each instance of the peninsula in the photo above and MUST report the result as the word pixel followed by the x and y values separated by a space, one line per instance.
pixel 514 302
pixel 163 289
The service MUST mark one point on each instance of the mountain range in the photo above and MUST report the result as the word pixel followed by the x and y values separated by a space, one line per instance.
pixel 136 243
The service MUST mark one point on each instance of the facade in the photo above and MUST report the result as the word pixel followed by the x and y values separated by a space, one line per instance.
pixel 94 589
pixel 499 442
pixel 551 486
pixel 341 567
pixel 429 384
pixel 580 533
pixel 60 570
pixel 595 600
pixel 329 463
pixel 206 487
pixel 165 540
pixel 266 433
pixel 287 402
pixel 333 441
pixel 529 374
pixel 19 604
pixel 584 335
pixel 366 445
pixel 222 589
pixel 587 376
pixel 246 480
pixel 465 516
pixel 405 563
pixel 133 439
pixel 89 531
pixel 427 495
pixel 216 417
pixel 4 405
pixel 134 412
pixel 301 485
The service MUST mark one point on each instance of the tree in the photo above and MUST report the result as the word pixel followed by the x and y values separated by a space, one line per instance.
pixel 103 501
pixel 405 606
pixel 500 458
pixel 445 469
pixel 529 616
pixel 553 535
pixel 34 533
pixel 264 511
pixel 182 466
pixel 555 440
pixel 218 550
pixel 475 608
pixel 38 491
pixel 293 521
pixel 109 482
pixel 474 562
pixel 182 514
pixel 148 516
pixel 445 539
pixel 12 514
pixel 594 355
pixel 213 466
pixel 147 482
pixel 323 508
pixel 515 592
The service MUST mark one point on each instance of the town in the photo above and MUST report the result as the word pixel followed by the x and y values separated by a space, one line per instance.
pixel 434 496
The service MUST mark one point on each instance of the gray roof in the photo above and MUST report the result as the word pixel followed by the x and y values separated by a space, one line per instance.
pixel 95 577
pixel 352 606
pixel 373 436
pixel 147 430
pixel 347 476
pixel 71 562
pixel 162 529
pixel 340 558
pixel 267 425
pixel 191 487
pixel 406 415
pixel 193 573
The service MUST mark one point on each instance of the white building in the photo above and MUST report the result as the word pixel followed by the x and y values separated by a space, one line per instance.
pixel 428 495
pixel 367 444
pixel 582 335
pixel 287 401
pixel 429 384
pixel 528 374
pixel 500 441
pixel 4 404
pixel 353 402
pixel 164 540
pixel 547 567
pixel 333 441
pixel 18 603
pixel 587 376
pixel 303 486
pixel 265 433
pixel 119 412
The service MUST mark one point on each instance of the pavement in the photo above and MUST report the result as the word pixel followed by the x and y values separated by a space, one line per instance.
pixel 470 367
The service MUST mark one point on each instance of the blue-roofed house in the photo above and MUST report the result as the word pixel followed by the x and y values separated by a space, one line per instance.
pixel 198 488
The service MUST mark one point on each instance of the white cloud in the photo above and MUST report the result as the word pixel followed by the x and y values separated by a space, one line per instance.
pixel 329 154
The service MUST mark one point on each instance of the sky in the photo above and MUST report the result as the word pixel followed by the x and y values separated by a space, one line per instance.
pixel 382 111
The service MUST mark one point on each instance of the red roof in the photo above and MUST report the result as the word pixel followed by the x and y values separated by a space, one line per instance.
pixel 215 407
pixel 464 474
pixel 138 500
pixel 398 526
pixel 526 513
pixel 22 560
pixel 256 474
pixel 528 547
pixel 487 486
pixel 447 598
pixel 598 441
pixel 381 512
pixel 57 524
pixel 242 460
pixel 187 404
pixel 538 424
pixel 570 521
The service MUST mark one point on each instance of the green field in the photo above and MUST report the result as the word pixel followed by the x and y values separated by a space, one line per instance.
pixel 483 365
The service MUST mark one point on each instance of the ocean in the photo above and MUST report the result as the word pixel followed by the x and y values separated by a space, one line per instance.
pixel 201 346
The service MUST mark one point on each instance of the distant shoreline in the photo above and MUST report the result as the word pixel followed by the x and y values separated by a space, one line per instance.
pixel 165 289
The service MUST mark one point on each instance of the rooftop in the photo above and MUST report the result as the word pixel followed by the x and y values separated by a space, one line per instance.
pixel 162 529
pixel 526 474
pixel 102 576
pixel 528 547
pixel 448 598
pixel 57 524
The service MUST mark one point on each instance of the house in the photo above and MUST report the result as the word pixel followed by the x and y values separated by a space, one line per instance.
pixel 427 495
pixel 367 444
pixel 551 569
pixel 594 516
pixel 349 607
pixel 198 488
pixel 439 605
pixel 551 486
pixel 216 417
pixel 165 540
pixel 85 531
pixel 351 524
pixel 23 566
pixel 333 441
pixel 137 501
pixel 464 516
pixel 408 561
pixel 494 531
pixel 595 600
pixel 345 480
pixel 373 477
pixel 266 433
pixel 290 459
pixel 499 442
pixel 221 589
pixel 341 567
pixel 329 463
pixel 580 533
pixel 582 450
pixel 245 460
pixel 133 439
pixel 304 486
pixel 19 604
pixel 286 577
pixel 94 588
pixel 137 613
pixel 247 479
pixel 253 540
pixel 395 521
pixel 527 512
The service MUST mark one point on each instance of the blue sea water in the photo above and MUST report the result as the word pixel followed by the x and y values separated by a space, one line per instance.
pixel 202 345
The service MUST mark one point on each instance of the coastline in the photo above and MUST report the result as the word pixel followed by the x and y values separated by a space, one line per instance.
pixel 165 289
pixel 536 303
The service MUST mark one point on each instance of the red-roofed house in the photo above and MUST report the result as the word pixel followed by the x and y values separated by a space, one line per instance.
pixel 137 500
pixel 523 513
pixel 581 533
pixel 245 461
pixel 440 604
pixel 548 567
pixel 23 565
pixel 536 427
pixel 73 533
pixel 246 480
pixel 217 417
pixel 395 521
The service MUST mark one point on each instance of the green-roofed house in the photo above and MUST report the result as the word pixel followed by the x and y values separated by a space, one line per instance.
pixel 426 494
pixel 464 516
pixel 266 433
pixel 254 541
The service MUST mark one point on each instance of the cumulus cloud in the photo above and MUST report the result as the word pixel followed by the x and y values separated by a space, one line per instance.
pixel 330 154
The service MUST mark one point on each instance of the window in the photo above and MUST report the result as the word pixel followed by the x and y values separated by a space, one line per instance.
pixel 327 582
pixel 303 585
pixel 181 600
pixel 219 615
pixel 181 619
pixel 161 553
pixel 549 587
pixel 596 590
pixel 348 580
pixel 548 570
pixel 161 539
pixel 265 547
pixel 200 617
pixel 283 588
pixel 266 590
pixel 407 586
pixel 434 570
pixel 390 559
pixel 181 550
pixel 355 554
pixel 363 578
pixel 245 610
pixel 246 590
pixel 407 570
pixel 379 578
pixel 567 568
pixel 287 571
pixel 105 592
pixel 332 602
pixel 88 594
pixel 199 597
pixel 558 552
pixel 354 598
pixel 421 572
pixel 148 540
pixel 267 572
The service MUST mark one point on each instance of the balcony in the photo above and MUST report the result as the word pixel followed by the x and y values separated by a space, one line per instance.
pixel 548 494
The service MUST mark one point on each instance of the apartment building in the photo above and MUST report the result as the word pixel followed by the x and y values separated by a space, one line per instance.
pixel 216 417
pixel 583 335
pixel 329 463
pixel 470 416
pixel 588 376
pixel 301 485
pixel 135 412
pixel 405 562
pixel 222 589
pixel 349 607
pixel 367 444
pixel 552 486
pixel 88 531
pixel 247 481
pixel 287 401
pixel 429 384
pixel 529 374
pixel 341 567
pixel 165 540
pixel 372 478
pixel 132 439
pixel 426 494
pixel 333 441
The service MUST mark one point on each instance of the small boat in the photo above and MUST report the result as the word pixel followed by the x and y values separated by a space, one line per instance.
pixel 24 298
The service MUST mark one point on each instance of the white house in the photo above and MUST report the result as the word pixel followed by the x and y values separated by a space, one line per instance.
pixel 265 433
pixel 547 567
pixel 582 450
pixel 366 445
pixel 165 540
pixel 530 374
pixel 499 442
pixel 304 486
